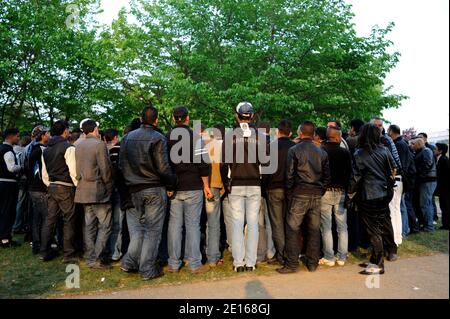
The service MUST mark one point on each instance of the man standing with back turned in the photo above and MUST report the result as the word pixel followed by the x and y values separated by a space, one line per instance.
pixel 308 175
pixel 94 192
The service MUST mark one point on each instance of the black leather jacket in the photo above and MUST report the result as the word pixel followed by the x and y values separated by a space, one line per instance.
pixel 144 160
pixel 371 172
pixel 308 170
pixel 425 165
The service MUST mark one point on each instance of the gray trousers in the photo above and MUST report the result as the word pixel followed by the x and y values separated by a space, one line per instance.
pixel 97 230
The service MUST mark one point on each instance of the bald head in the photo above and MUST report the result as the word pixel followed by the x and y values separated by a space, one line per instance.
pixel 334 135
pixel 417 144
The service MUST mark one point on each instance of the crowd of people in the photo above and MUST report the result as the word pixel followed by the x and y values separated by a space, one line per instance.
pixel 157 201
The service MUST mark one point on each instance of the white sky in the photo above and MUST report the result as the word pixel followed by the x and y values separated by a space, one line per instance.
pixel 421 35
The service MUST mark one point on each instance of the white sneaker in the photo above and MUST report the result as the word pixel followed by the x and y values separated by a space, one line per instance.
pixel 341 263
pixel 326 262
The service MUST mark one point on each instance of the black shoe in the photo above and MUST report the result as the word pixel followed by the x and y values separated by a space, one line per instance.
pixel 392 257
pixel 275 261
pixel 70 260
pixel 128 270
pixel 443 228
pixel 312 268
pixel 286 270
pixel 250 268
pixel 159 275
pixel 239 269
pixel 363 265
pixel 48 256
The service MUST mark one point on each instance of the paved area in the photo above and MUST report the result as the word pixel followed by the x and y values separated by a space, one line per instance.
pixel 420 277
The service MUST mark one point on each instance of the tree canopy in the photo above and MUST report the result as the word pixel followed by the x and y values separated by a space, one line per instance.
pixel 295 59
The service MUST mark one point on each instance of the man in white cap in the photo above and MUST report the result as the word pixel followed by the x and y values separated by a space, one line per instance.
pixel 243 182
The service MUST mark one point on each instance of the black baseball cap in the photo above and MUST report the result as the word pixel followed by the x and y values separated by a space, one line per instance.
pixel 180 113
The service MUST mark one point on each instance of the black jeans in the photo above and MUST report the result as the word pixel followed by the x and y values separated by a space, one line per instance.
pixel 60 202
pixel 9 192
pixel 97 229
pixel 277 205
pixel 303 206
pixel 443 204
pixel 377 221
pixel 39 218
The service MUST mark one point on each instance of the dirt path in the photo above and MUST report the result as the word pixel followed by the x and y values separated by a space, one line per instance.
pixel 420 277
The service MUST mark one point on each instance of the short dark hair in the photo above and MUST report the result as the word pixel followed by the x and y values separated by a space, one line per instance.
pixel 285 127
pixel 357 124
pixel 134 125
pixel 395 129
pixel 308 128
pixel 338 123
pixel 59 127
pixel 110 134
pixel 88 126
pixel 10 132
pixel 77 130
pixel 442 147
pixel 180 113
pixel 149 115
pixel 322 132
pixel 423 134
pixel 74 136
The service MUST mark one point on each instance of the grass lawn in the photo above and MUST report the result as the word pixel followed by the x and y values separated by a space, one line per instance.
pixel 23 275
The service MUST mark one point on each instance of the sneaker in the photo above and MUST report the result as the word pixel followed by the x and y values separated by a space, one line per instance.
pixel 326 262
pixel 239 269
pixel 200 270
pixel 372 269
pixel 341 263
pixel 116 258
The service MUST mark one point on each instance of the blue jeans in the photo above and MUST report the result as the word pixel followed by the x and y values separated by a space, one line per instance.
pixel 145 224
pixel 245 203
pixel 213 227
pixel 228 220
pixel 334 199
pixel 266 248
pixel 426 204
pixel 405 223
pixel 115 240
pixel 185 208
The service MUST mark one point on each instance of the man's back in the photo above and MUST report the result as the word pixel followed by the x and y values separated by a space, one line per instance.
pixel 308 168
pixel 93 172
pixel 340 165
pixel 191 168
pixel 278 179
pixel 144 160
